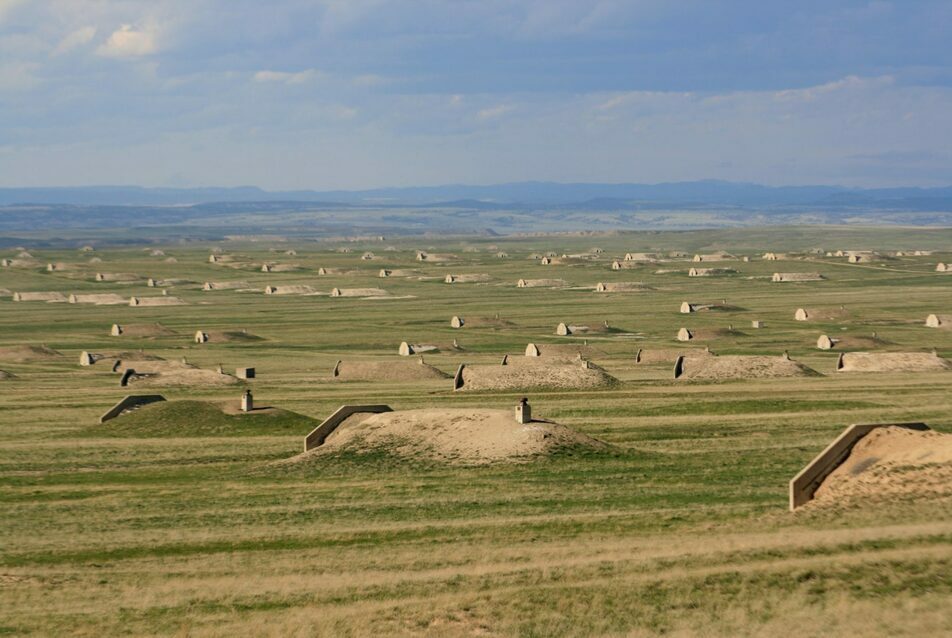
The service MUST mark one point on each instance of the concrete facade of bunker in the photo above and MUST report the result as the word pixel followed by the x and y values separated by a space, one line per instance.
pixel 130 403
pixel 318 435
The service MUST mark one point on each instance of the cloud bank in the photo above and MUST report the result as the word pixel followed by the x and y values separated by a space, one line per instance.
pixel 363 93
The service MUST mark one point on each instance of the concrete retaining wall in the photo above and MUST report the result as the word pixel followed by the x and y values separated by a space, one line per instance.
pixel 805 484
pixel 131 401
pixel 319 434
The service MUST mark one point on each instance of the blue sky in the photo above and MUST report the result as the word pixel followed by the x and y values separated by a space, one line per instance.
pixel 360 93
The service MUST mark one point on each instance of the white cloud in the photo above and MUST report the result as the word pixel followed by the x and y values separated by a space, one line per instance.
pixel 7 5
pixel 18 76
pixel 346 112
pixel 493 112
pixel 848 83
pixel 608 105
pixel 129 42
pixel 77 38
pixel 285 77
pixel 371 79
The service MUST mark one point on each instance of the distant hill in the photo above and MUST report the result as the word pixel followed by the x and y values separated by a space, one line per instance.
pixel 586 196
pixel 122 214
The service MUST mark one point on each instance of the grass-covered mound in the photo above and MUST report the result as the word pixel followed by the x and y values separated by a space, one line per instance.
pixel 186 418
pixel 28 353
pixel 232 336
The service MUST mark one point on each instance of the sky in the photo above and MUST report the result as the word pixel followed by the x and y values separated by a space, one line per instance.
pixel 349 94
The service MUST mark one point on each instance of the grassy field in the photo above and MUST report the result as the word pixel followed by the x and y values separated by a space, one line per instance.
pixel 681 529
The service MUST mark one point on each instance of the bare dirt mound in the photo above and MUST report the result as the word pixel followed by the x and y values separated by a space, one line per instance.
pixel 224 285
pixel 283 267
pixel 541 283
pixel 103 299
pixel 622 286
pixel 467 278
pixel 565 351
pixel 796 276
pixel 24 354
pixel 891 463
pixel 145 330
pixel 53 297
pixel 120 277
pixel 168 373
pixel 437 257
pixel 536 373
pixel 60 266
pixel 388 371
pixel 289 290
pixel 892 362
pixel 456 436
pixel 143 302
pixel 742 367
pixel 359 292
pixel 24 263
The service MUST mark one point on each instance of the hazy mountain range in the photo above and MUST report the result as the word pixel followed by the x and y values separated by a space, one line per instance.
pixel 128 213
pixel 512 195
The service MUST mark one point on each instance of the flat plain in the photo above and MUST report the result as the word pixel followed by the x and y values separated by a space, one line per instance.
pixel 680 528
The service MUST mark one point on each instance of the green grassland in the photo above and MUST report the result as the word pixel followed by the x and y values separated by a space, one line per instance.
pixel 183 525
